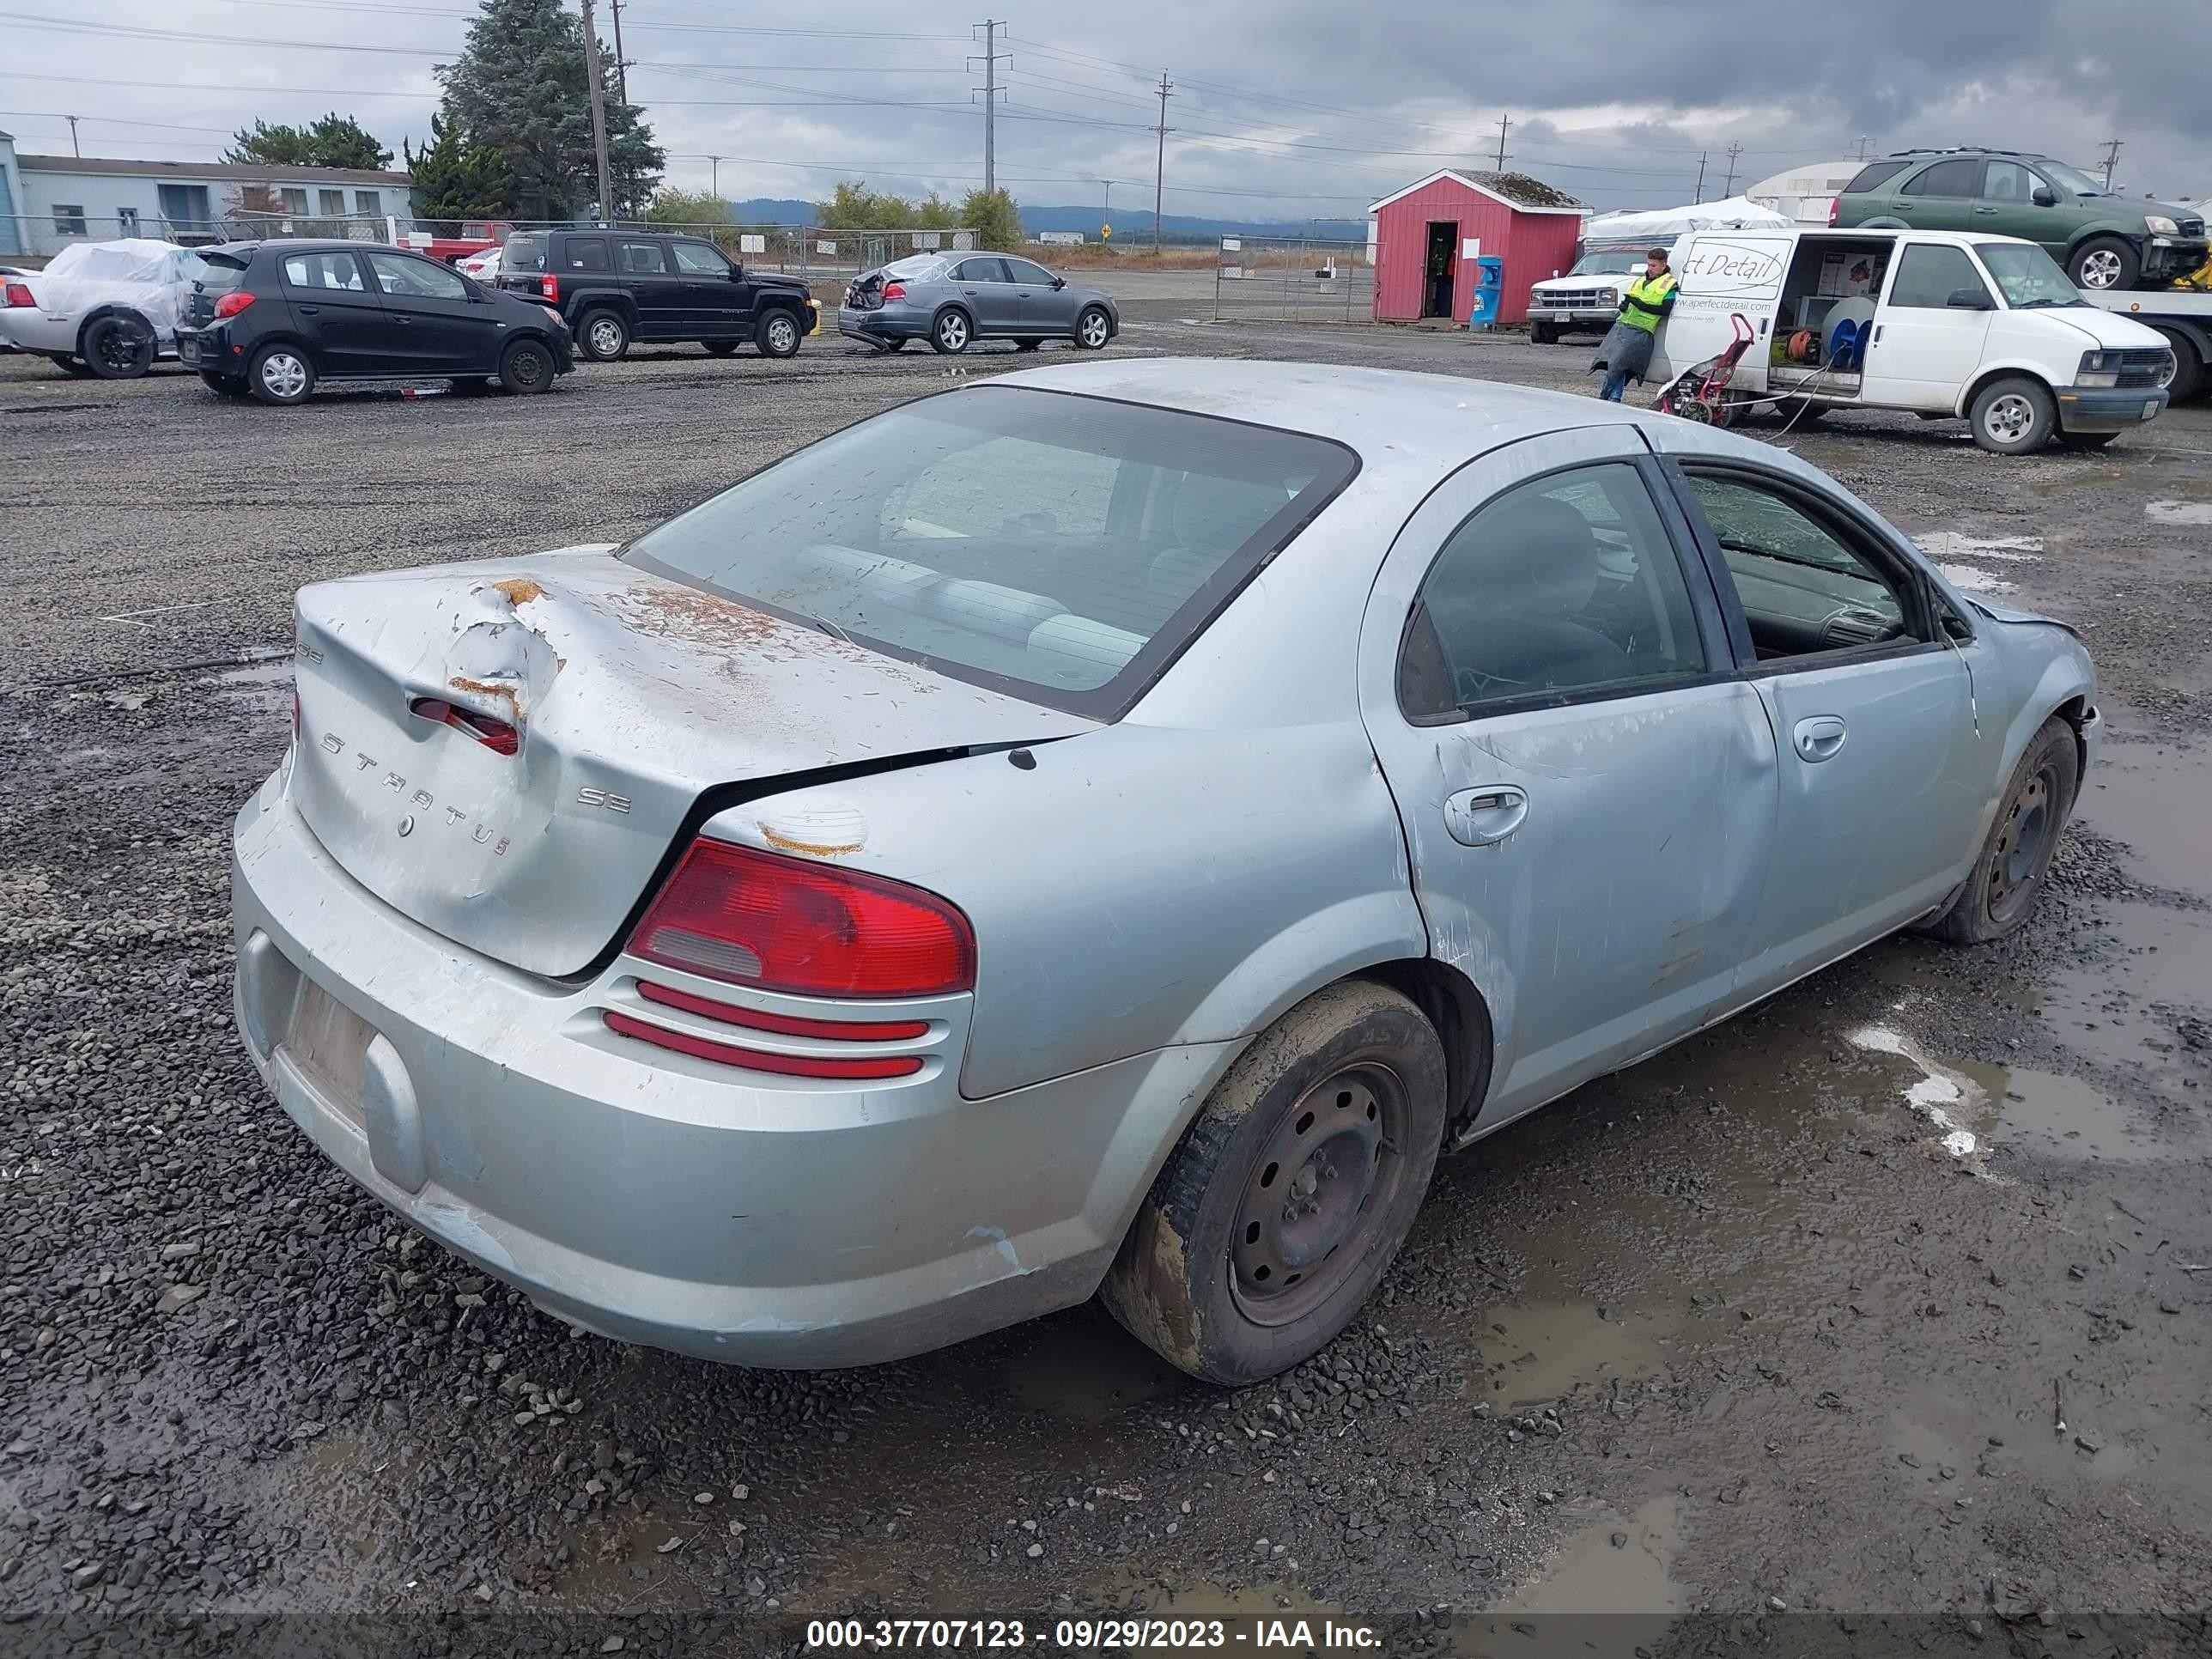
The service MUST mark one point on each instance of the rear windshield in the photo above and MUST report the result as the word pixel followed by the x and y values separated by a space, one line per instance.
pixel 1875 177
pixel 525 251
pixel 1063 548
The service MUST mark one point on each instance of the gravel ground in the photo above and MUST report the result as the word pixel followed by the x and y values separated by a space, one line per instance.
pixel 1730 1334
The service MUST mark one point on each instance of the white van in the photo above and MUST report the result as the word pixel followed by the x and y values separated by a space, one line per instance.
pixel 1986 328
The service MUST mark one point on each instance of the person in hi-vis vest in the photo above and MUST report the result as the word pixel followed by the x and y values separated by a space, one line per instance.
pixel 1625 352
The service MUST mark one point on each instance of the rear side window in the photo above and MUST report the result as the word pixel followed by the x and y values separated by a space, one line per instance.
pixel 980 271
pixel 1061 548
pixel 340 271
pixel 523 251
pixel 585 253
pixel 1561 587
pixel 1952 179
pixel 1874 177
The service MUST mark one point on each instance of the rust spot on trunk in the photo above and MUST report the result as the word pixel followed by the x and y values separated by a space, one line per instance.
pixel 818 849
pixel 519 589
pixel 686 614
pixel 504 695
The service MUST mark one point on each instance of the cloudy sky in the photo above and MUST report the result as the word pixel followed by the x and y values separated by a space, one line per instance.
pixel 1282 109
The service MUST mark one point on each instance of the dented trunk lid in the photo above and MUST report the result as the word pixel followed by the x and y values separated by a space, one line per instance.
pixel 632 694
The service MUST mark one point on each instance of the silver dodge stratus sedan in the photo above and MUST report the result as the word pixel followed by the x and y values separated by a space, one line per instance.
pixel 1102 831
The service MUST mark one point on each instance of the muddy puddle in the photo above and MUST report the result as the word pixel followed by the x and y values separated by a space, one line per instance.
pixel 2144 1004
pixel 2156 798
pixel 1605 1591
pixel 1540 1351
pixel 1081 1367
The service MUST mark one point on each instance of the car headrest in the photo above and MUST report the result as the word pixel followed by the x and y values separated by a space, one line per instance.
pixel 1538 556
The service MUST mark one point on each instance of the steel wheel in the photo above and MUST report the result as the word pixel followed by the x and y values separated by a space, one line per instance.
pixel 281 375
pixel 1329 1158
pixel 1093 331
pixel 2100 268
pixel 2008 419
pixel 527 367
pixel 2023 842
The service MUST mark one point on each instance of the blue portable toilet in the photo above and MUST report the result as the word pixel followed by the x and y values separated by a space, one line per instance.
pixel 1489 288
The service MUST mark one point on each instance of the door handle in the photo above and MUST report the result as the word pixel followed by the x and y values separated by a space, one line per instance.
pixel 1992 212
pixel 969 292
pixel 1818 738
pixel 311 311
pixel 1486 814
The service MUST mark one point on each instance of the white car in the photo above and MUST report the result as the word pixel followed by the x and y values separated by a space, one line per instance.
pixel 103 309
pixel 483 266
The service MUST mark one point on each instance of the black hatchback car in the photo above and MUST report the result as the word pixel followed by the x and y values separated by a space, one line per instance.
pixel 617 286
pixel 271 319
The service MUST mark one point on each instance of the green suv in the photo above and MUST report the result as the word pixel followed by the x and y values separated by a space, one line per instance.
pixel 2103 241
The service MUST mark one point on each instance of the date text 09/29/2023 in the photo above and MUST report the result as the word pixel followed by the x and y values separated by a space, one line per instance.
pixel 1109 1634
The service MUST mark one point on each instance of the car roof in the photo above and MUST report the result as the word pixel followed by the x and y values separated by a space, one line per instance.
pixel 1384 414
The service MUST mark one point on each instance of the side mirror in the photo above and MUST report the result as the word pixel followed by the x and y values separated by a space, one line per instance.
pixel 2044 196
pixel 737 273
pixel 1970 299
pixel 1059 283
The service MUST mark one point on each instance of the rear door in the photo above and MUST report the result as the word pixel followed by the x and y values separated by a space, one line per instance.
pixel 1942 196
pixel 1932 329
pixel 984 288
pixel 439 326
pixel 661 292
pixel 339 313
pixel 1722 275
pixel 1044 309
pixel 1586 787
pixel 1870 707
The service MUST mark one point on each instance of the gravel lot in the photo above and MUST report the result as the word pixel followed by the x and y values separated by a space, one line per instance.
pixel 1729 1334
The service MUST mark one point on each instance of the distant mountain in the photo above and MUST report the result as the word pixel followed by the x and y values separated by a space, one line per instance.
pixel 1129 223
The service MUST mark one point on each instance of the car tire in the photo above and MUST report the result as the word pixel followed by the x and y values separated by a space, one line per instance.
pixel 2015 857
pixel 75 368
pixel 952 332
pixel 525 367
pixel 280 374
pixel 721 348
pixel 116 348
pixel 2013 415
pixel 1094 329
pixel 2104 264
pixel 778 334
pixel 223 384
pixel 603 336
pixel 1338 1108
pixel 1543 333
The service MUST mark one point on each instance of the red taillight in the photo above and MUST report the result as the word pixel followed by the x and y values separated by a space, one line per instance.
pixel 1835 208
pixel 296 717
pixel 495 735
pixel 759 1059
pixel 894 291
pixel 759 1019
pixel 784 924
pixel 231 304
pixel 19 294
pixel 549 288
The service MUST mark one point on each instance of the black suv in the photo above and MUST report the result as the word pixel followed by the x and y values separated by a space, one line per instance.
pixel 617 286
pixel 273 319
pixel 2104 241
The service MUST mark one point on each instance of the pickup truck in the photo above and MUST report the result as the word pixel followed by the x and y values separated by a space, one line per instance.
pixel 2184 317
pixel 475 236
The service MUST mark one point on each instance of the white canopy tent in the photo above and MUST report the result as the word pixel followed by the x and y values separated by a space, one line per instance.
pixel 1664 224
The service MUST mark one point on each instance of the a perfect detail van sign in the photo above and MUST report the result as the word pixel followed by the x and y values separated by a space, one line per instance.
pixel 1719 269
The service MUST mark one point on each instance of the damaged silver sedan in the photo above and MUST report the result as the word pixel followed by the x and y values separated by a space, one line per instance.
pixel 1103 830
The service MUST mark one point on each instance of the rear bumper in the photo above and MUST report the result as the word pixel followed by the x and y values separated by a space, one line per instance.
pixel 673 1202
pixel 886 323
pixel 2108 409
pixel 33 330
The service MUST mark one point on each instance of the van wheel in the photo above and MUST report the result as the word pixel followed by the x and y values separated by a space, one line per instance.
pixel 2013 416
pixel 281 374
pixel 116 347
pixel 525 367
pixel 603 336
pixel 2016 857
pixel 1292 1192
pixel 950 332
pixel 2103 262
pixel 778 334
pixel 2188 368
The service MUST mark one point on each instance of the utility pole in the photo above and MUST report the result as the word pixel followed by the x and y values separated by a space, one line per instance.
pixel 74 150
pixel 621 63
pixel 1862 145
pixel 2112 159
pixel 715 163
pixel 1503 122
pixel 1700 196
pixel 1729 189
pixel 1160 158
pixel 991 58
pixel 599 114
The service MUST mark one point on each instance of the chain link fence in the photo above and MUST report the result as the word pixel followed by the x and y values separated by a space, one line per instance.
pixel 42 235
pixel 1297 278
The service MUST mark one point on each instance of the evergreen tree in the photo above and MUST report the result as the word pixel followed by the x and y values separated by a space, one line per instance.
pixel 454 181
pixel 519 91
pixel 335 140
